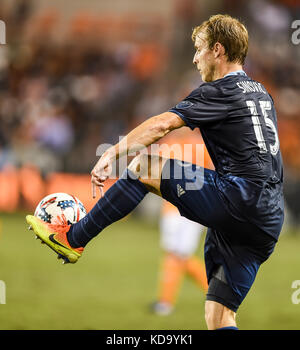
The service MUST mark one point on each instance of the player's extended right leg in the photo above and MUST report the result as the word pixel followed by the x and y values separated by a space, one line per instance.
pixel 119 200
pixel 55 236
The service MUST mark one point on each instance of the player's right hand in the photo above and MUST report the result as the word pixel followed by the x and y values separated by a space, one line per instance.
pixel 101 172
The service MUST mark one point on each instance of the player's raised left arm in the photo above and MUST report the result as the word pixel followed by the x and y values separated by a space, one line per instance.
pixel 148 132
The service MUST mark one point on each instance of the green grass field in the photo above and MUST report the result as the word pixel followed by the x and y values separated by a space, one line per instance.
pixel 114 282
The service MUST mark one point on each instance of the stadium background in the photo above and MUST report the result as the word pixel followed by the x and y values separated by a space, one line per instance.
pixel 77 74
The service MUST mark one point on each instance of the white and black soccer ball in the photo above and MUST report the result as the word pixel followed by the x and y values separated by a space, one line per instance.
pixel 57 206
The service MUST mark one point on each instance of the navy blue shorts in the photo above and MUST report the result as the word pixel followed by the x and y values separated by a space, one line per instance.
pixel 234 248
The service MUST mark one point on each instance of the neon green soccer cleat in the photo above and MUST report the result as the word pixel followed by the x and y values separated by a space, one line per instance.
pixel 55 236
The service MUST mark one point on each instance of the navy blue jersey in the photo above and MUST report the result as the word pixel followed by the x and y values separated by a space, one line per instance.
pixel 237 119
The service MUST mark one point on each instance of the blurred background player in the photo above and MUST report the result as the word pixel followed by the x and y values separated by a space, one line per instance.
pixel 179 241
pixel 180 236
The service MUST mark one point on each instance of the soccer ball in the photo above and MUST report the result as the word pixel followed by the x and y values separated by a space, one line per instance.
pixel 57 207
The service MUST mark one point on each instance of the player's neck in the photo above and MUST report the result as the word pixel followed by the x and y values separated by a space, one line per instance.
pixel 225 69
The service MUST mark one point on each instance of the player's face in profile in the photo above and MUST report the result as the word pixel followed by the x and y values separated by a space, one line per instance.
pixel 204 59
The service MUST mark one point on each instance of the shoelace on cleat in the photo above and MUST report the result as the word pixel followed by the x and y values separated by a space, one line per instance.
pixel 61 225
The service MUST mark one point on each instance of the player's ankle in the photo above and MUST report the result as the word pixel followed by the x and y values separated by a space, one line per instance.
pixel 70 239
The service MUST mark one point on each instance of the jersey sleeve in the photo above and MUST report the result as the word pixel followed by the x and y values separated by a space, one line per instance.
pixel 202 106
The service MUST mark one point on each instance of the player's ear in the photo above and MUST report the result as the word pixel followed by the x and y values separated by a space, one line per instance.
pixel 218 50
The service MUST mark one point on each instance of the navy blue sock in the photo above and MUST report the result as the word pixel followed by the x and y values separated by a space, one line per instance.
pixel 119 200
pixel 230 328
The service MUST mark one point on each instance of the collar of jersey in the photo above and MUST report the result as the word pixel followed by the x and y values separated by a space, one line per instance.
pixel 237 72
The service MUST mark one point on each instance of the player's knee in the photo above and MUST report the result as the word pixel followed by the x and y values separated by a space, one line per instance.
pixel 138 165
pixel 145 166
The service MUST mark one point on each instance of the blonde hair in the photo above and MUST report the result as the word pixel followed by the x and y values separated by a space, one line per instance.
pixel 229 32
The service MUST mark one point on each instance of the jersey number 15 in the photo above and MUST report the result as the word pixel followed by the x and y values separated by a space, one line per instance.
pixel 265 106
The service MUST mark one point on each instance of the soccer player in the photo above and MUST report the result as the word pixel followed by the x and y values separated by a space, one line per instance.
pixel 241 202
